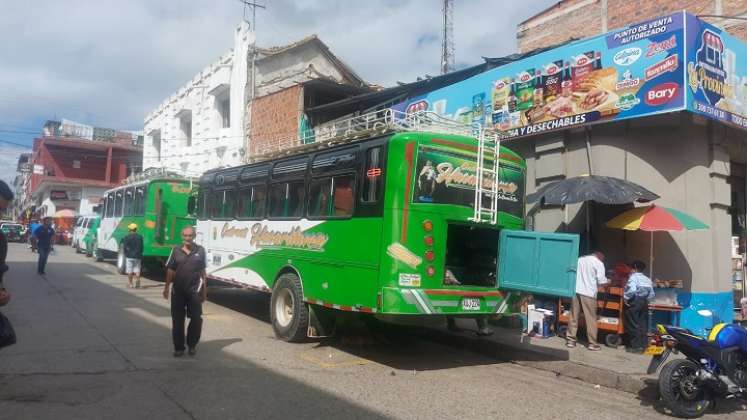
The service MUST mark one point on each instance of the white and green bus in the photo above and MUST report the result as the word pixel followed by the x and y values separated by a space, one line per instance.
pixel 159 205
pixel 384 225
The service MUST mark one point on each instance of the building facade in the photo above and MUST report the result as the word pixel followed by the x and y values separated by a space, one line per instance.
pixel 248 101
pixel 577 19
pixel 289 80
pixel 70 173
pixel 202 125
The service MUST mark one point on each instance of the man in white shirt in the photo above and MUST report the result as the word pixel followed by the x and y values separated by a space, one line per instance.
pixel 590 274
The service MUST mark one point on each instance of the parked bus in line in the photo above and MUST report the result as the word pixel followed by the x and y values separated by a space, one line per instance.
pixel 159 204
pixel 380 226
pixel 82 224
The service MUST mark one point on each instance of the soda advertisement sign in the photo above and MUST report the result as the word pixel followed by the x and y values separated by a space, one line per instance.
pixel 631 72
pixel 716 78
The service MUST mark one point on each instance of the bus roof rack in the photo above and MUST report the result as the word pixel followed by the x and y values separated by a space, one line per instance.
pixel 155 173
pixel 372 124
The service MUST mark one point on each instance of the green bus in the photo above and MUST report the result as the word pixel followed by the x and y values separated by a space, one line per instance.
pixel 158 204
pixel 382 226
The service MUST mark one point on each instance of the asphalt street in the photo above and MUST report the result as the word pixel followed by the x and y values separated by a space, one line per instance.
pixel 90 348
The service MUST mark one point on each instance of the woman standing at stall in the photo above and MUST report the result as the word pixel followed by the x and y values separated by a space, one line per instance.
pixel 638 293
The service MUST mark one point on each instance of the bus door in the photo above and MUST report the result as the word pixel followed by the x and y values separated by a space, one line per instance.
pixel 158 209
pixel 538 262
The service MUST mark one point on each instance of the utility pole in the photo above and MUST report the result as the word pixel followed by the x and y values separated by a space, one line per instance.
pixel 447 44
pixel 254 7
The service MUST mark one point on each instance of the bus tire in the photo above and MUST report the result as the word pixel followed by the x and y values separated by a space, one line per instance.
pixel 288 312
pixel 97 253
pixel 121 260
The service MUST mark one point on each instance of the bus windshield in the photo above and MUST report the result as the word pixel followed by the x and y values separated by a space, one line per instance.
pixel 449 177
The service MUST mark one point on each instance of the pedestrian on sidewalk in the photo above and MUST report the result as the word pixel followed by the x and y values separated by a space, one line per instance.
pixel 32 239
pixel 6 196
pixel 639 291
pixel 590 274
pixel 186 276
pixel 44 235
pixel 133 251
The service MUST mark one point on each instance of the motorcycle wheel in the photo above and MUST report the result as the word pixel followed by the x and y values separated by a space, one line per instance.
pixel 680 390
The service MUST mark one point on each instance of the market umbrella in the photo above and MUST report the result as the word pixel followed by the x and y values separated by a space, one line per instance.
pixel 602 189
pixel 64 213
pixel 652 219
pixel 584 188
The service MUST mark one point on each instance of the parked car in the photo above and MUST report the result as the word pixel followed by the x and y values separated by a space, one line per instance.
pixel 14 232
pixel 82 225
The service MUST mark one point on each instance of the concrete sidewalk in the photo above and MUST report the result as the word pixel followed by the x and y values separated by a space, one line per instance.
pixel 612 368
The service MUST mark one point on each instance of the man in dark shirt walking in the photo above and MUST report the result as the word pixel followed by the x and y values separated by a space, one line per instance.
pixel 133 251
pixel 186 276
pixel 44 235
pixel 6 196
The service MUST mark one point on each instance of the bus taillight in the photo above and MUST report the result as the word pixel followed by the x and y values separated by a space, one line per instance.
pixel 427 225
pixel 428 240
pixel 430 271
pixel 429 255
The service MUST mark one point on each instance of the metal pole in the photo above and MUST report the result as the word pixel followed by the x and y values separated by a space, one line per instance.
pixel 651 258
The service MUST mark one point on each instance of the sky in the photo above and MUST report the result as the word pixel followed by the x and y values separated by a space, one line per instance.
pixel 109 63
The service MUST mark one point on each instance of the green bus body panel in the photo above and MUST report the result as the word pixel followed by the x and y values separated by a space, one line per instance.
pixel 538 262
pixel 344 272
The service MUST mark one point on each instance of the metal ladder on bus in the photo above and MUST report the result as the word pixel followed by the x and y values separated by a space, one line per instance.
pixel 488 149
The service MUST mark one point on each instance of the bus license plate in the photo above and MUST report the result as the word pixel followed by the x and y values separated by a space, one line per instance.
pixel 471 304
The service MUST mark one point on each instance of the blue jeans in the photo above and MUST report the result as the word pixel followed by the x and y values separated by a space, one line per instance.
pixel 43 254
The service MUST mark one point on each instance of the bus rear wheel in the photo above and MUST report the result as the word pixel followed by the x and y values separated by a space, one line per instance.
pixel 288 312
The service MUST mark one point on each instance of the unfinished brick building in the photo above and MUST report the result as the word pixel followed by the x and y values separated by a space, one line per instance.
pixel 578 19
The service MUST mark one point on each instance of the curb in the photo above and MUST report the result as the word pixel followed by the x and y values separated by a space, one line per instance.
pixel 550 360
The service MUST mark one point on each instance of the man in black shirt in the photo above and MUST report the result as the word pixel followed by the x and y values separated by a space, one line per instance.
pixel 186 276
pixel 133 252
pixel 6 196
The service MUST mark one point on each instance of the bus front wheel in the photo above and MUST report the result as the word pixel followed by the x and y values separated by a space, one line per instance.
pixel 288 311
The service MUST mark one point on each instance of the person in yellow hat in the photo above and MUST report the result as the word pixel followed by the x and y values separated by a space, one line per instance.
pixel 133 251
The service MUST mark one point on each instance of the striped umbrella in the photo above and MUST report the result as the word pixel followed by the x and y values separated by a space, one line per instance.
pixel 655 218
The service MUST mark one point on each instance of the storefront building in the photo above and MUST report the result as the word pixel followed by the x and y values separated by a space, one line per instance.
pixel 661 103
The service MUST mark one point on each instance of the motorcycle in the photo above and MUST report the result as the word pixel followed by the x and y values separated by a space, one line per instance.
pixel 713 367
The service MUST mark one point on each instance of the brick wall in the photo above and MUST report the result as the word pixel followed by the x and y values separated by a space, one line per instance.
pixel 275 120
pixel 584 18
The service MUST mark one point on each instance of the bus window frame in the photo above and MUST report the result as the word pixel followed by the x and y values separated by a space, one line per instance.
pixel 128 208
pixel 119 209
pixel 304 182
pixel 109 208
pixel 251 187
pixel 139 210
pixel 223 192
pixel 332 198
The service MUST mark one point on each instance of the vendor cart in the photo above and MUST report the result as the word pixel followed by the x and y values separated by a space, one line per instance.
pixel 609 314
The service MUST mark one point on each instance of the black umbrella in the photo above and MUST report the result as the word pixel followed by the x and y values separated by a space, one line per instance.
pixel 602 189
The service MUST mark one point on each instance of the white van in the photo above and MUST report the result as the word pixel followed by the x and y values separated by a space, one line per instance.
pixel 80 230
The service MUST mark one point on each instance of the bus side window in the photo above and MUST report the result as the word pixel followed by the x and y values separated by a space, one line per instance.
pixel 215 204
pixel 373 176
pixel 109 205
pixel 320 191
pixel 118 203
pixel 252 202
pixel 287 199
pixel 228 209
pixel 129 201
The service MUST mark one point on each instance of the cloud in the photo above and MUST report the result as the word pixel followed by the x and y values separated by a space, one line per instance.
pixel 109 63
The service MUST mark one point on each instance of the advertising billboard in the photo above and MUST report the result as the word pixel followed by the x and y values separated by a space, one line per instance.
pixel 630 72
pixel 716 75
